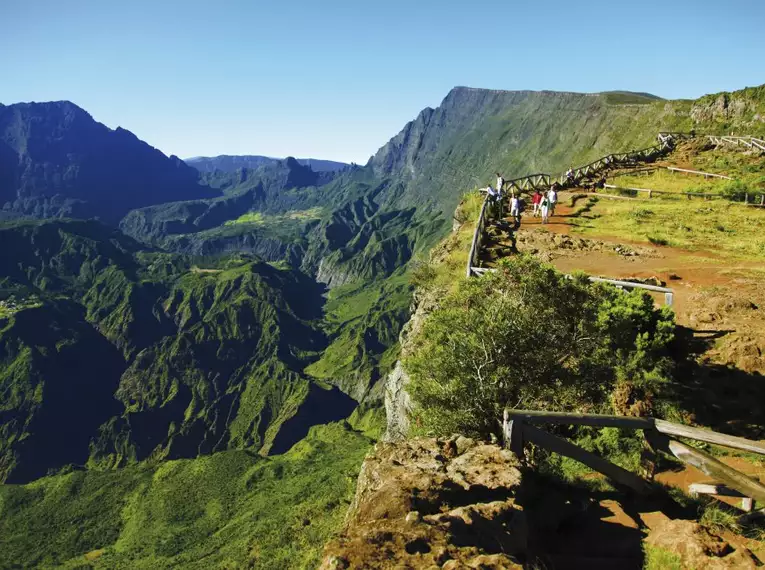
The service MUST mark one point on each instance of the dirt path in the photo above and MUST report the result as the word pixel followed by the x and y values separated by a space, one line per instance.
pixel 686 272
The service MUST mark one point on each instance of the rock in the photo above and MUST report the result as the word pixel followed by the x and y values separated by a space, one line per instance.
pixel 336 563
pixel 463 444
pixel 400 517
pixel 696 546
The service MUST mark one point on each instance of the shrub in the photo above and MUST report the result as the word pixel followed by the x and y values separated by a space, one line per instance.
pixel 526 336
pixel 640 214
pixel 734 190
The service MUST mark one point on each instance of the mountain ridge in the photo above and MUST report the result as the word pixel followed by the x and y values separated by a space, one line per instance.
pixel 233 162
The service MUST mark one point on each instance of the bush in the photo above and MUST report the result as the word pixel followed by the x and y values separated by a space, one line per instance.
pixel 734 190
pixel 527 337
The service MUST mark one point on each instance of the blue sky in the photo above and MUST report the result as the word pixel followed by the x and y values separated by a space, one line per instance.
pixel 336 79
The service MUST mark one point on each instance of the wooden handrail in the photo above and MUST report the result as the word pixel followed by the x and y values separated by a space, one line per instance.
pixel 704 174
pixel 662 426
pixel 517 428
pixel 477 235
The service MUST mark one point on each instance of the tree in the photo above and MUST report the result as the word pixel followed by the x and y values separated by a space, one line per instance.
pixel 527 336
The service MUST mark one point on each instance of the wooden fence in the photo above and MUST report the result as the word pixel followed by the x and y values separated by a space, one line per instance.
pixel 475 245
pixel 748 142
pixel 519 428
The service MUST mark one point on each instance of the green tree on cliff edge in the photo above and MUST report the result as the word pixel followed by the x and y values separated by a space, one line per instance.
pixel 528 337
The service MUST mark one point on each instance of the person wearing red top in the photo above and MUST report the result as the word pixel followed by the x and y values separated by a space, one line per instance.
pixel 535 201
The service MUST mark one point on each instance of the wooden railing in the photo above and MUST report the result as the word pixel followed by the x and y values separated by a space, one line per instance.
pixel 519 428
pixel 749 142
pixel 475 245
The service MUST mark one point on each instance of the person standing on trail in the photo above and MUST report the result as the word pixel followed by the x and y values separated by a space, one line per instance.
pixel 535 201
pixel 500 182
pixel 495 202
pixel 552 198
pixel 515 209
pixel 544 207
pixel 570 175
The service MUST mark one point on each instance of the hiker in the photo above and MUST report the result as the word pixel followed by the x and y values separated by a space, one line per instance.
pixel 500 182
pixel 544 207
pixel 535 201
pixel 499 199
pixel 493 197
pixel 515 209
pixel 552 199
pixel 570 175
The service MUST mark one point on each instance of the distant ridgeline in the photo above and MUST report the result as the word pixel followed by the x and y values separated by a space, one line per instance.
pixel 194 319
pixel 228 163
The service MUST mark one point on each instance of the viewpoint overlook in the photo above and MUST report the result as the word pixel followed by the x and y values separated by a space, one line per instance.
pixel 180 347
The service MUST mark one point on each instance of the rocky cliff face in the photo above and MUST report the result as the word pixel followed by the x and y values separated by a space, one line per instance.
pixel 423 503
pixel 398 405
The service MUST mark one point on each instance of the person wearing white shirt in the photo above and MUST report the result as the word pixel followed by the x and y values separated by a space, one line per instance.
pixel 552 198
pixel 515 208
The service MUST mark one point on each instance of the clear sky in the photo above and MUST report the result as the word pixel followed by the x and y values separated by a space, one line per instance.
pixel 336 79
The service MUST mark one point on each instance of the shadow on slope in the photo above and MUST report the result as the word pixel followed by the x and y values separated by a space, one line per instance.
pixel 321 406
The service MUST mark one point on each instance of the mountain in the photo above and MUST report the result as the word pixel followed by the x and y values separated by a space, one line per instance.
pixel 477 132
pixel 55 161
pixel 231 163
pixel 112 354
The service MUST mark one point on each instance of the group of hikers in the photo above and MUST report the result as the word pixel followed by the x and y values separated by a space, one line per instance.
pixel 543 203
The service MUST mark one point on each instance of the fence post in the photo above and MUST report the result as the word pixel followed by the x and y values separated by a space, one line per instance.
pixel 512 431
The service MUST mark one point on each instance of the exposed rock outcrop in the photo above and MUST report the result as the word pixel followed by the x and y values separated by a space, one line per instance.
pixel 398 405
pixel 696 546
pixel 424 503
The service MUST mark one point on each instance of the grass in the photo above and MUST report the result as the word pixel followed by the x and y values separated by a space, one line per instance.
pixel 659 559
pixel 260 219
pixel 228 510
pixel 445 267
pixel 719 226
pixel 718 518
pixel 669 181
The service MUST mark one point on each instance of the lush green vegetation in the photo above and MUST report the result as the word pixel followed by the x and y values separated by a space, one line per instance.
pixel 258 218
pixel 232 509
pixel 362 322
pixel 527 337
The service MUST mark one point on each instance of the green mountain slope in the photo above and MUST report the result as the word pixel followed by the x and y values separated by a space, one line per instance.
pixel 232 509
pixel 186 361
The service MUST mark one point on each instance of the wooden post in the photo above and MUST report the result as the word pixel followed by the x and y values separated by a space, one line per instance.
pixel 557 445
pixel 717 470
pixel 712 489
pixel 648 456
pixel 512 432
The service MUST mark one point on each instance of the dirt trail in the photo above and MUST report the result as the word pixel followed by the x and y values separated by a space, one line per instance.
pixel 686 272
